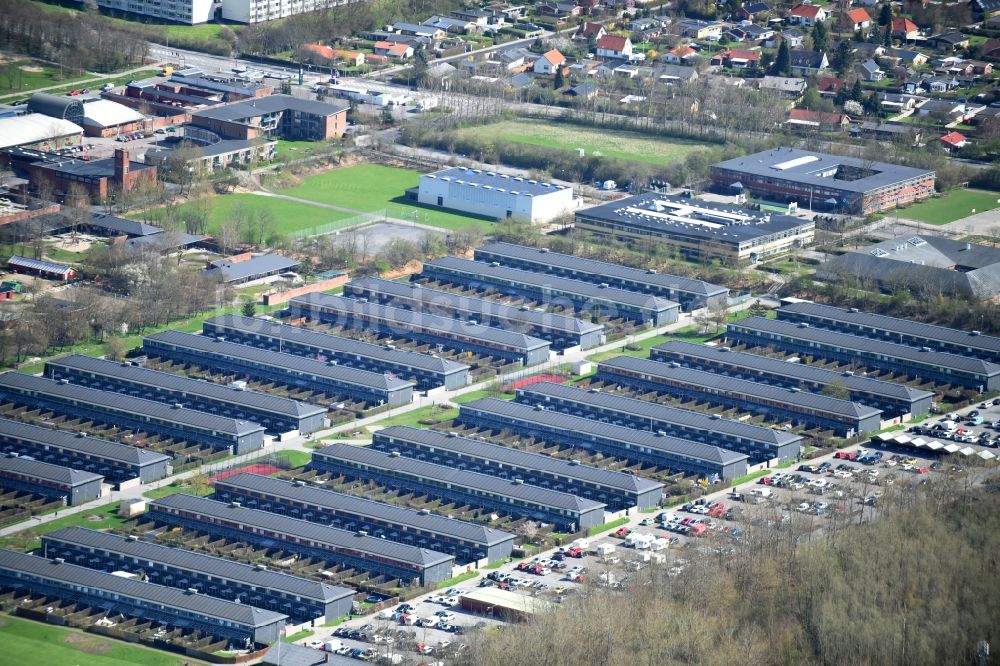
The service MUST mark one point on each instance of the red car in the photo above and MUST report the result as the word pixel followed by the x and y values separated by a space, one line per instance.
pixel 623 532
pixel 766 480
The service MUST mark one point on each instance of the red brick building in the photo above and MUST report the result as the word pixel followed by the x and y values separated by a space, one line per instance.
pixel 281 116
pixel 99 177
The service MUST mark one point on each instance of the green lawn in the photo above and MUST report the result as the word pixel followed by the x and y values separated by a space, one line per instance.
pixel 630 146
pixel 304 148
pixel 295 458
pixel 27 642
pixel 457 580
pixel 176 488
pixel 607 527
pixel 472 396
pixel 413 417
pixel 373 187
pixel 103 518
pixel 288 216
pixel 24 75
pixel 953 206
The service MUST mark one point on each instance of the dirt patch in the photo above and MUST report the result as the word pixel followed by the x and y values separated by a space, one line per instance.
pixel 94 518
pixel 87 644
pixel 31 68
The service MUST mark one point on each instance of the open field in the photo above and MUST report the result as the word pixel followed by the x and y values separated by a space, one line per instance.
pixel 372 187
pixel 103 518
pixel 27 642
pixel 24 75
pixel 69 84
pixel 630 146
pixel 953 206
pixel 287 216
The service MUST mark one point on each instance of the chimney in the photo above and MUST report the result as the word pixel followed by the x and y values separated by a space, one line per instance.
pixel 121 165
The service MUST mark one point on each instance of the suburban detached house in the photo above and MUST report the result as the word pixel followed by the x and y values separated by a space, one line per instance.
pixel 908 58
pixel 680 55
pixel 949 41
pixel 613 46
pixel 818 119
pixel 590 31
pixel 549 63
pixel 671 74
pixel 697 29
pixel 897 103
pixel 415 30
pixel 793 36
pixel 987 8
pixel 991 50
pixel 904 28
pixel 753 11
pixel 788 86
pixel 859 19
pixel 806 15
pixel 870 71
pixel 475 16
pixel 953 140
pixel 737 59
pixel 807 63
pixel 829 86
pixel 949 111
pixel 394 51
pixel 981 67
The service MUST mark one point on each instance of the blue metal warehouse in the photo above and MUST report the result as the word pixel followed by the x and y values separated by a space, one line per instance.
pixel 635 446
pixel 115 462
pixel 426 328
pixel 72 486
pixel 577 295
pixel 922 363
pixel 890 397
pixel 426 371
pixel 568 512
pixel 356 550
pixel 245 362
pixel 275 413
pixel 801 408
pixel 561 331
pixel 70 583
pixel 891 329
pixel 303 600
pixel 126 412
pixel 689 292
pixel 618 490
pixel 761 444
pixel 468 542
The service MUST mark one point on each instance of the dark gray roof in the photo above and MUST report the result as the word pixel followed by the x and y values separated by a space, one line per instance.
pixel 406 318
pixel 199 562
pixel 712 381
pixel 929 332
pixel 801 371
pixel 122 225
pixel 252 108
pixel 598 269
pixel 493 179
pixel 691 218
pixel 342 503
pixel 395 463
pixel 91 446
pixel 133 589
pixel 429 299
pixel 664 413
pixel 38 265
pixel 810 167
pixel 134 374
pixel 265 264
pixel 485 271
pixel 290 654
pixel 167 240
pixel 57 106
pixel 585 428
pixel 803 58
pixel 509 457
pixel 847 342
pixel 71 393
pixel 333 343
pixel 45 471
pixel 291 362
pixel 330 538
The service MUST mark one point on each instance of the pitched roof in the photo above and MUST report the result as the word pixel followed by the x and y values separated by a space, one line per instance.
pixel 683 50
pixel 808 59
pixel 319 50
pixel 181 558
pixel 588 29
pixel 903 24
pixel 45 472
pixel 510 458
pixel 340 503
pixel 818 117
pixel 806 11
pixel 830 84
pixel 396 464
pixel 71 574
pixel 296 364
pixel 233 271
pixel 554 57
pixel 399 49
pixel 88 446
pixel 587 429
pixel 329 538
pixel 743 54
pixel 858 16
pixel 612 43
pixel 953 139
pixel 656 412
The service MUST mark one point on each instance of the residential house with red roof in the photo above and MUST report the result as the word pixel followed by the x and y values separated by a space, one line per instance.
pixel 904 28
pixel 680 55
pixel 737 59
pixel 953 140
pixel 549 63
pixel 807 15
pixel 818 119
pixel 613 46
pixel 858 19
pixel 590 31
pixel 394 51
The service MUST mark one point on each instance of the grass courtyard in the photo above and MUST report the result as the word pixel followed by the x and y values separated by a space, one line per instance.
pixel 373 187
pixel 955 205
pixel 287 216
pixel 623 145
pixel 28 642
